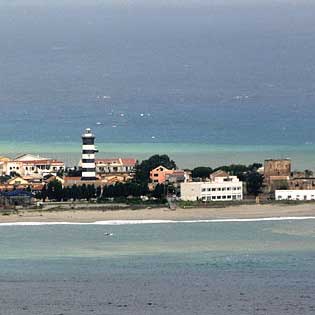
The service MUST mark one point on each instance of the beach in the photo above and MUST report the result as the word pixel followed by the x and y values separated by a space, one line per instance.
pixel 189 214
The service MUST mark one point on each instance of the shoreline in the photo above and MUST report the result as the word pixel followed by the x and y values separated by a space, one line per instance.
pixel 231 213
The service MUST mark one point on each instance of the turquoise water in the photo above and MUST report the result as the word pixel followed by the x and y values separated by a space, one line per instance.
pixel 180 268
pixel 185 154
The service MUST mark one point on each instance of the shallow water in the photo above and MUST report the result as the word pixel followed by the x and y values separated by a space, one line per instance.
pixel 192 268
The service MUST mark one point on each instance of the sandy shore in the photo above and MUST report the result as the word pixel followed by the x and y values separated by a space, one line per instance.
pixel 241 212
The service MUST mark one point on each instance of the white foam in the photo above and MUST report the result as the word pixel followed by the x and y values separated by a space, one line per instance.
pixel 134 222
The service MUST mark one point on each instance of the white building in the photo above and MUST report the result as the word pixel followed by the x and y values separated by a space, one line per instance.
pixel 295 195
pixel 31 165
pixel 115 165
pixel 221 187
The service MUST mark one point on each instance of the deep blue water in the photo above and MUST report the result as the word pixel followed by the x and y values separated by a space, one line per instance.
pixel 231 75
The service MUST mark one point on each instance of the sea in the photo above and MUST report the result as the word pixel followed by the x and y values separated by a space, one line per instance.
pixel 119 267
pixel 206 84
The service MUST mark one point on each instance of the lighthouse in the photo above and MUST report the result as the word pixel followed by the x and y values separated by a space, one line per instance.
pixel 88 156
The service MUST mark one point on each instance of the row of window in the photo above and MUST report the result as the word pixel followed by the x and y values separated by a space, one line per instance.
pixel 297 197
pixel 32 168
pixel 221 189
pixel 228 197
pixel 114 169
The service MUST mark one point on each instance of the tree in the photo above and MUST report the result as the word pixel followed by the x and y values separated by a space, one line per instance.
pixel 234 170
pixel 159 191
pixel 44 193
pixel 54 190
pixel 308 173
pixel 254 183
pixel 90 192
pixel 74 192
pixel 98 192
pixel 201 172
pixel 143 169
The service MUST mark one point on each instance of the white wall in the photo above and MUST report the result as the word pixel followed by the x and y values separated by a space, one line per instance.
pixel 295 194
pixel 210 191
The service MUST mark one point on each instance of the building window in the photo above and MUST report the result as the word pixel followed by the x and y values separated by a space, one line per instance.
pixel 223 189
pixel 203 189
pixel 213 189
pixel 218 197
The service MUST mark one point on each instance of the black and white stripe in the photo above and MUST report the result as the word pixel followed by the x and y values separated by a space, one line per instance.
pixel 88 156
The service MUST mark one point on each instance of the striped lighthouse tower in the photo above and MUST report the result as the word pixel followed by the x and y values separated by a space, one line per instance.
pixel 88 156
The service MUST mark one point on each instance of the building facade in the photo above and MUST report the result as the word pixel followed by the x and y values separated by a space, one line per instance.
pixel 220 188
pixel 31 165
pixel 305 195
pixel 115 166
pixel 88 156
pixel 277 174
pixel 159 174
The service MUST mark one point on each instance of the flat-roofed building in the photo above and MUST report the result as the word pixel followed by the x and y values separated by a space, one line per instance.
pixel 115 165
pixel 303 195
pixel 221 187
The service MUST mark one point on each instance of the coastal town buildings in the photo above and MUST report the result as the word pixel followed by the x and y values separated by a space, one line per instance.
pixel 303 195
pixel 31 165
pixel 221 187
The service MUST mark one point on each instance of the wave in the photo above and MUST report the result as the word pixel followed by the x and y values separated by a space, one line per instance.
pixel 137 222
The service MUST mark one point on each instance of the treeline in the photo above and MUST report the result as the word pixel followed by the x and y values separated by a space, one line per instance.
pixel 55 191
